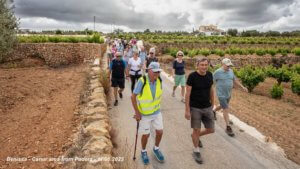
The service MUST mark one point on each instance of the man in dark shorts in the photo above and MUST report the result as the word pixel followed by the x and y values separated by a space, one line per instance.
pixel 199 103
pixel 117 73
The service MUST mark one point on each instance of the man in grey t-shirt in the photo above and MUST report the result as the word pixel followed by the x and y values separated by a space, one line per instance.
pixel 224 79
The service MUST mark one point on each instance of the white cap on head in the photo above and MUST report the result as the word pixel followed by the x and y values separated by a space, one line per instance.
pixel 154 66
pixel 152 50
pixel 227 62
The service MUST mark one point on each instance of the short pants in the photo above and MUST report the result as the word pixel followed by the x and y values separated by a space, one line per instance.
pixel 147 122
pixel 204 115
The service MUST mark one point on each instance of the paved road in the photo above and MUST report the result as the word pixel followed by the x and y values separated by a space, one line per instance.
pixel 220 151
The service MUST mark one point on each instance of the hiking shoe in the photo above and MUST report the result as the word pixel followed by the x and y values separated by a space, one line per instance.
pixel 183 100
pixel 159 156
pixel 197 157
pixel 200 144
pixel 215 116
pixel 145 158
pixel 120 95
pixel 116 103
pixel 229 131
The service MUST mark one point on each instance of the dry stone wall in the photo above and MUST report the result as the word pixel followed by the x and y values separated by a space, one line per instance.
pixel 238 61
pixel 57 54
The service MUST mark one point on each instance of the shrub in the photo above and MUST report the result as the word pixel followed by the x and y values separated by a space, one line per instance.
pixel 296 84
pixel 251 77
pixel 296 68
pixel 192 53
pixel 276 91
pixel 296 51
pixel 272 52
pixel 220 52
pixel 260 52
pixel 204 52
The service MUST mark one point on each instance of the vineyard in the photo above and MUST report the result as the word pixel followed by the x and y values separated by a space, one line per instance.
pixel 175 38
pixel 96 38
pixel 233 51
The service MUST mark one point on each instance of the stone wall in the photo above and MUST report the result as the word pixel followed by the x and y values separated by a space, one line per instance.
pixel 161 46
pixel 93 141
pixel 238 61
pixel 56 54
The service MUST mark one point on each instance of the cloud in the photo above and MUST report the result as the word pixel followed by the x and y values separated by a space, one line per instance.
pixel 159 14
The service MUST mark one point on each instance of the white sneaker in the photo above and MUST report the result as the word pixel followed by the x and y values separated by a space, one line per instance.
pixel 183 100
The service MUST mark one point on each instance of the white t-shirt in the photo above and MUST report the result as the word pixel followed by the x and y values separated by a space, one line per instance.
pixel 135 65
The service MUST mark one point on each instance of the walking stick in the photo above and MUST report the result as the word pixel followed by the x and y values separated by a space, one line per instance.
pixel 136 136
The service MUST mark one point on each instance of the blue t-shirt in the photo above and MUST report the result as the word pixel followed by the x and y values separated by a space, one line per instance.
pixel 224 82
pixel 143 56
pixel 138 89
pixel 111 63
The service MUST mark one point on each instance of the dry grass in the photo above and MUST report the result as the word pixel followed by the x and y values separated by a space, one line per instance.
pixel 125 151
pixel 105 81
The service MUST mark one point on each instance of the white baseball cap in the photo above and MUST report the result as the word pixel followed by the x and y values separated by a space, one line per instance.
pixel 155 67
pixel 227 62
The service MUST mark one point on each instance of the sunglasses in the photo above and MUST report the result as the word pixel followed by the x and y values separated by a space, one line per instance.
pixel 151 53
pixel 180 55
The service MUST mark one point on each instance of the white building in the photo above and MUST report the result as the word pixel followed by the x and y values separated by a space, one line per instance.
pixel 211 30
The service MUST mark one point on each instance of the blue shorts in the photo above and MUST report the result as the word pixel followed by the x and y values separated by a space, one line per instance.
pixel 224 102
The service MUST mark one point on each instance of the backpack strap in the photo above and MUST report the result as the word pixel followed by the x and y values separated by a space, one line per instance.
pixel 144 79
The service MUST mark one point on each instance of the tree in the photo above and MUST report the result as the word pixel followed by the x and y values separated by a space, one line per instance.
pixel 8 28
pixel 58 32
pixel 147 31
pixel 118 31
pixel 232 32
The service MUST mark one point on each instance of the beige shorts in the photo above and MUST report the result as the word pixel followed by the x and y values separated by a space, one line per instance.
pixel 147 122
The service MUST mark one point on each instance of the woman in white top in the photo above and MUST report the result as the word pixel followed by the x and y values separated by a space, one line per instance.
pixel 135 68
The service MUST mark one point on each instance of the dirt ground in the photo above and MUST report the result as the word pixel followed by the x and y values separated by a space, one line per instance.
pixel 37 106
pixel 278 120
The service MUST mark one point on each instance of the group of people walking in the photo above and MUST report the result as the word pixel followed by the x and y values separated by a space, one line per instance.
pixel 197 94
pixel 127 61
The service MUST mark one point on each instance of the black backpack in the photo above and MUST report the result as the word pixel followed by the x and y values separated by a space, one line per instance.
pixel 144 78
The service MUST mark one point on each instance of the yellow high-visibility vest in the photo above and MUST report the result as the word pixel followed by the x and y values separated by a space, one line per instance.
pixel 147 105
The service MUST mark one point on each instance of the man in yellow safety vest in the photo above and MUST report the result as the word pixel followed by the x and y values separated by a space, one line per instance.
pixel 146 100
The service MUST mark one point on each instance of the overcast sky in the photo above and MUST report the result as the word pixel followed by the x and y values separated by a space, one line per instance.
pixel 138 15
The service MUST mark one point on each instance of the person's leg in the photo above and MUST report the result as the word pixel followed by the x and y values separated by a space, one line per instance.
pixel 144 130
pixel 224 102
pixel 175 85
pixel 157 124
pixel 174 88
pixel 224 106
pixel 116 93
pixel 195 137
pixel 196 116
pixel 182 92
pixel 121 83
pixel 136 78
pixel 217 108
pixel 144 141
pixel 226 116
pixel 208 121
pixel 158 137
pixel 132 78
